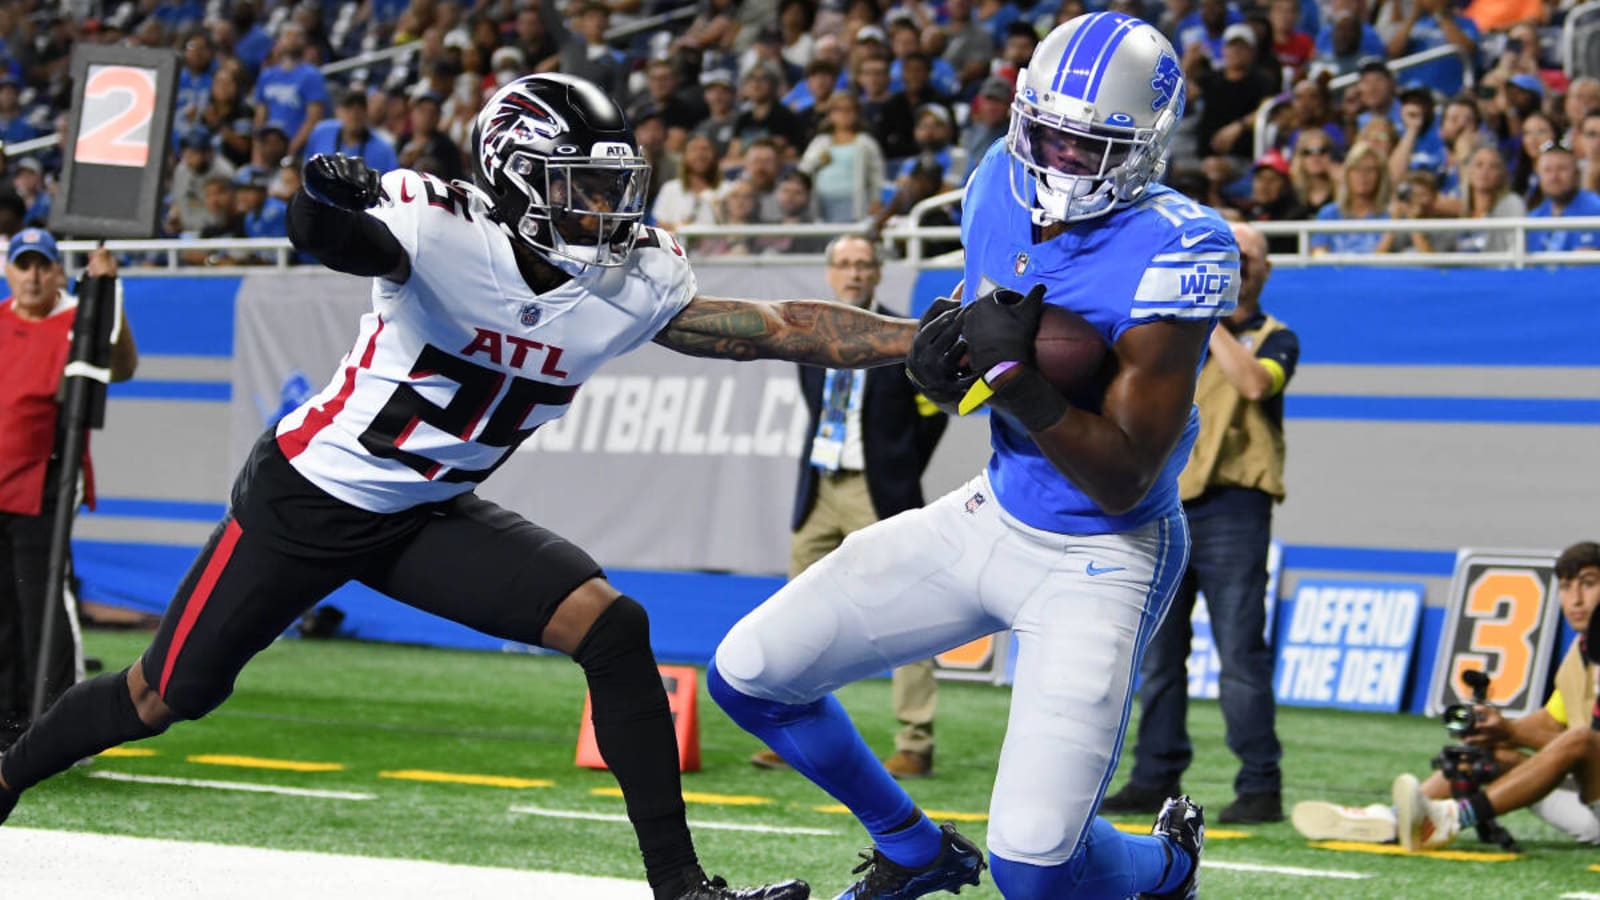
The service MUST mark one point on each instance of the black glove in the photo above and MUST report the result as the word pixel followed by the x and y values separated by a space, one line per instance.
pixel 937 308
pixel 345 182
pixel 1001 325
pixel 1000 328
pixel 934 364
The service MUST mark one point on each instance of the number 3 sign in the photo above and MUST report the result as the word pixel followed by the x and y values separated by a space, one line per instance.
pixel 117 137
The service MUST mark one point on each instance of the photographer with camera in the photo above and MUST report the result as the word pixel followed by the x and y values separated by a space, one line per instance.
pixel 1562 736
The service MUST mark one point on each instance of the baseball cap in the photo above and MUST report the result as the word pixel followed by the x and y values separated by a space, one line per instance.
pixel 870 33
pixel 934 109
pixel 31 164
pixel 272 125
pixel 1239 31
pixel 1375 64
pixel 195 139
pixel 1273 160
pixel 995 88
pixel 716 76
pixel 1529 83
pixel 33 240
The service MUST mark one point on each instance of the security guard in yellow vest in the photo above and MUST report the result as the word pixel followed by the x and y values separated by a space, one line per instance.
pixel 1234 476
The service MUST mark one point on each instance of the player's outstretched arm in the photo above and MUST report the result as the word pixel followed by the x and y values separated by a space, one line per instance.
pixel 328 219
pixel 814 332
pixel 1116 456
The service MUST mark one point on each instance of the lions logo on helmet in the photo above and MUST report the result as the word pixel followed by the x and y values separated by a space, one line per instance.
pixel 1093 117
pixel 555 155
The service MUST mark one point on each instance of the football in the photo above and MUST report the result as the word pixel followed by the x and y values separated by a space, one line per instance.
pixel 1070 353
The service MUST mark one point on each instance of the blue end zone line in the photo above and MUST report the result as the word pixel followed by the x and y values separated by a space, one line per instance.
pixel 194 391
pixel 166 510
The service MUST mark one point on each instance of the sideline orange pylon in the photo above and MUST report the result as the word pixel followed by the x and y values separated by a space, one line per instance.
pixel 682 684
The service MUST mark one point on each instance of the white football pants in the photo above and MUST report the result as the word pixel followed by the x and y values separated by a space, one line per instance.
pixel 1082 606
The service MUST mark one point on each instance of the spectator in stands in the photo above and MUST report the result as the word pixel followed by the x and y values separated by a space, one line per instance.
pixel 762 117
pixel 227 115
pixel 934 131
pixel 760 172
pixel 713 31
pixel 1538 132
pixel 1367 44
pixel 845 164
pixel 924 180
pixel 795 207
pixel 795 18
pixel 1202 34
pixel 223 221
pixel 809 98
pixel 1519 57
pixel 535 38
pixel 292 92
pixel 1377 90
pixel 29 183
pixel 194 77
pixel 1314 170
pixel 197 164
pixel 1311 108
pixel 1587 146
pixel 426 141
pixel 1381 134
pixel 1015 51
pixel 350 134
pixel 986 121
pixel 1582 98
pixel 650 133
pixel 889 128
pixel 766 52
pixel 1558 178
pixel 269 146
pixel 738 205
pixel 1429 24
pixel 1363 194
pixel 1420 145
pixel 1416 196
pixel 968 48
pixel 691 198
pixel 905 40
pixel 14 126
pixel 1459 132
pixel 721 117
pixel 1339 46
pixel 1232 94
pixel 1486 193
pixel 584 51
pixel 1273 199
pixel 1291 47
pixel 897 128
pixel 680 110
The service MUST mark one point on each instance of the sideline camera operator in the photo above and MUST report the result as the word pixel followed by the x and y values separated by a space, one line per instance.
pixel 1562 736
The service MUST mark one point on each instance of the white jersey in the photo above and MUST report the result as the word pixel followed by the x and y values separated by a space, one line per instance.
pixel 457 366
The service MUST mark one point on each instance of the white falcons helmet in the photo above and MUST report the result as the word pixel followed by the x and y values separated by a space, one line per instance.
pixel 1093 117
pixel 557 158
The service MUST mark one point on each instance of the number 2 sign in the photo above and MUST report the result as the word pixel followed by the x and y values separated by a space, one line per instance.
pixel 119 103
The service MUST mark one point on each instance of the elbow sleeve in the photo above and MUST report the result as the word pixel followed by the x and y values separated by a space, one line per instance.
pixel 345 241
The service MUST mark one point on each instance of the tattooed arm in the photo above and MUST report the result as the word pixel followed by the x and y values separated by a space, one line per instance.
pixel 803 331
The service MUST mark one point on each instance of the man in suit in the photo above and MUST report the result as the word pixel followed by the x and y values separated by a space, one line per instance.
pixel 871 435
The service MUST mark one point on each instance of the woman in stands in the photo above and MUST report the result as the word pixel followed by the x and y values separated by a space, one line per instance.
pixel 1486 194
pixel 1363 194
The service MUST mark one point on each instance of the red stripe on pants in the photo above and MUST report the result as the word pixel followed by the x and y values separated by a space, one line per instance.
pixel 197 599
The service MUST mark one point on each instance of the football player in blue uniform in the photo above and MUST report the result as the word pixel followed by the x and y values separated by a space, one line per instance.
pixel 1073 537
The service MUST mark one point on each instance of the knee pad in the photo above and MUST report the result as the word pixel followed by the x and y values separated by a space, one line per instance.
pixel 621 632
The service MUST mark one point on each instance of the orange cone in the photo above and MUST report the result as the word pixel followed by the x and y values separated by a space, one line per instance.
pixel 682 684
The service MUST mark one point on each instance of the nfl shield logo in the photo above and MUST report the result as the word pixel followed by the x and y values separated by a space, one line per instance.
pixel 1022 263
pixel 973 502
pixel 530 315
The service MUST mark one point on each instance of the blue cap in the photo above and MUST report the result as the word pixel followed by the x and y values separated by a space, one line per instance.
pixel 1529 83
pixel 196 138
pixel 33 240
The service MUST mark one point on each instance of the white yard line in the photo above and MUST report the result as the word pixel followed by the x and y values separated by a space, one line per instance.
pixel 1579 895
pixel 693 823
pixel 233 786
pixel 1285 870
pixel 63 865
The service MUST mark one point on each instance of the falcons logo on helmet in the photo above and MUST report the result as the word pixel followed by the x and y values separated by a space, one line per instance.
pixel 516 117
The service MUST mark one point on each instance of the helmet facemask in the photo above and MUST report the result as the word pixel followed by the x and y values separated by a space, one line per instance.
pixel 1071 171
pixel 583 210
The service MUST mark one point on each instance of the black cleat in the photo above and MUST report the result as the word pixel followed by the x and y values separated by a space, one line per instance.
pixel 699 887
pixel 1253 809
pixel 958 864
pixel 1182 821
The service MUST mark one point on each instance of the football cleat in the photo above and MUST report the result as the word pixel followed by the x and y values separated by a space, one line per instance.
pixel 1183 822
pixel 702 888
pixel 958 864
pixel 1422 823
pixel 1317 820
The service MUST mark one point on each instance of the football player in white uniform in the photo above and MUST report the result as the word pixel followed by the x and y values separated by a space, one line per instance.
pixel 491 304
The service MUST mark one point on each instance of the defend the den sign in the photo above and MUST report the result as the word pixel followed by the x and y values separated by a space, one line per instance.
pixel 1348 644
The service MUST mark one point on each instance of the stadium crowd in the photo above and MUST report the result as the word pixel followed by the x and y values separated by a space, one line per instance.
pixel 841 111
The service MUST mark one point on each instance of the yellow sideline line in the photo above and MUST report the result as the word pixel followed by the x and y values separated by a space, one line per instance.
pixel 502 781
pixel 1212 834
pixel 127 752
pixel 1397 850
pixel 697 797
pixel 256 762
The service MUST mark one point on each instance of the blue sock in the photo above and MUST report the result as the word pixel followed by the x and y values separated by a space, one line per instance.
pixel 1109 865
pixel 820 741
pixel 1465 814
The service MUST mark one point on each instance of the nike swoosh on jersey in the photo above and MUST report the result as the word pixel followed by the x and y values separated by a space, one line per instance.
pixel 1092 569
pixel 405 193
pixel 1189 240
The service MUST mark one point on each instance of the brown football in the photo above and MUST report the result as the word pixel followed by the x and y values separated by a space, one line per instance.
pixel 1070 353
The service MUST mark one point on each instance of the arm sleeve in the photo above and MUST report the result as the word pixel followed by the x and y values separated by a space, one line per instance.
pixel 1280 353
pixel 351 242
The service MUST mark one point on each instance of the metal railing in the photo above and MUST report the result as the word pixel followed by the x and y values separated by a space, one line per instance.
pixel 163 257
pixel 1581 27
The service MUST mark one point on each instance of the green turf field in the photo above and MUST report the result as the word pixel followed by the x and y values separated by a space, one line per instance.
pixel 367 709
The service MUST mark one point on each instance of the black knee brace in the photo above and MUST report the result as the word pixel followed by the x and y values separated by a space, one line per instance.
pixel 91 717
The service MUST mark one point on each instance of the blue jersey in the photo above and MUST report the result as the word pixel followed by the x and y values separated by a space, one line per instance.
pixel 1164 257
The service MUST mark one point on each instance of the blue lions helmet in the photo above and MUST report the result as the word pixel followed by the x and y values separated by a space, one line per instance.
pixel 1093 117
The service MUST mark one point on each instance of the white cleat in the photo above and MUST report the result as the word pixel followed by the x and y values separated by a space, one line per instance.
pixel 1320 821
pixel 1422 823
